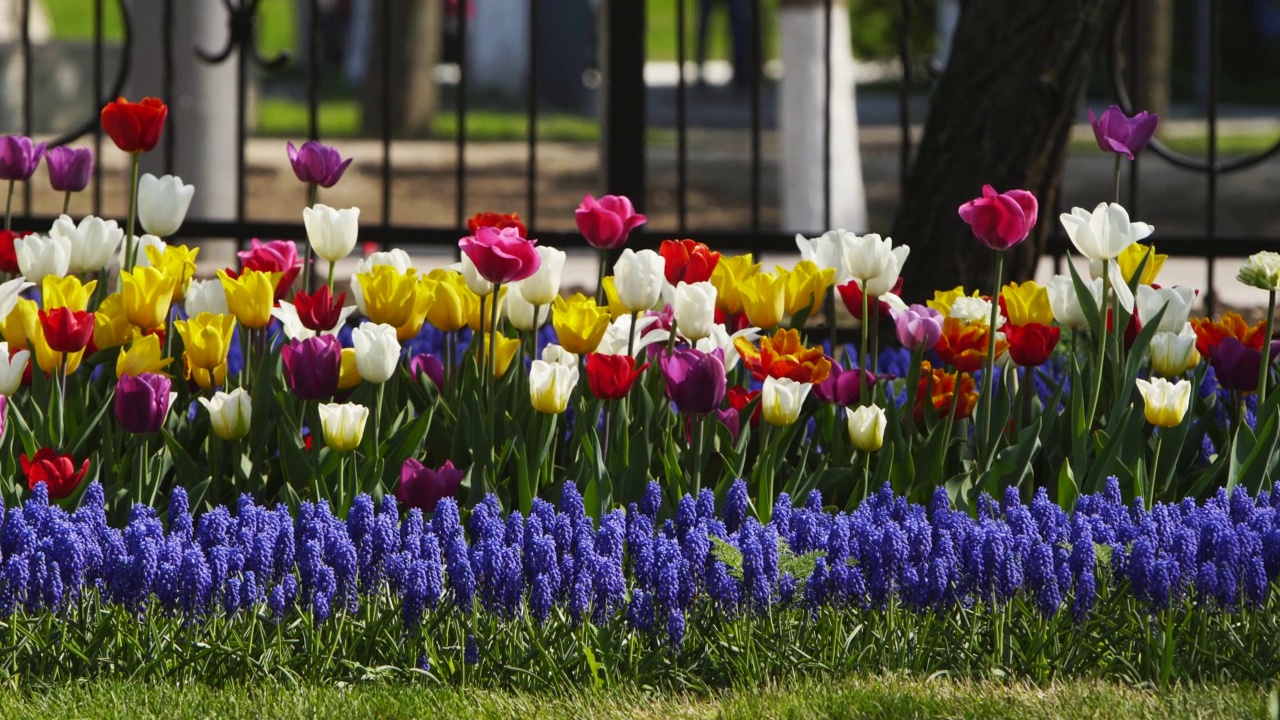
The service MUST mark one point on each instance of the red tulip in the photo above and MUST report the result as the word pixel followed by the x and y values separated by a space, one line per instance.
pixel 740 397
pixel 497 221
pixel 501 256
pixel 1031 345
pixel 1001 220
pixel 688 261
pixel 67 331
pixel 851 294
pixel 57 472
pixel 610 377
pixel 134 127
pixel 9 256
pixel 319 311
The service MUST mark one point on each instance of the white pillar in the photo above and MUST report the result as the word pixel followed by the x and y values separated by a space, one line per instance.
pixel 945 29
pixel 202 112
pixel 498 45
pixel 802 107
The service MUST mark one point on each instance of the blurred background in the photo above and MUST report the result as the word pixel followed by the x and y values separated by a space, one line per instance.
pixel 741 122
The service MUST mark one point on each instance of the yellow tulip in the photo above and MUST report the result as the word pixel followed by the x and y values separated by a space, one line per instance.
pixel 111 326
pixel 348 374
pixel 206 339
pixel 729 273
pixel 507 349
pixel 483 307
pixel 1026 303
pixel 388 294
pixel 763 297
pixel 251 296
pixel 1132 256
pixel 17 327
pixel 616 308
pixel 67 292
pixel 206 379
pixel 1165 403
pixel 148 294
pixel 580 324
pixel 807 286
pixel 424 294
pixel 943 299
pixel 176 261
pixel 143 356
pixel 453 303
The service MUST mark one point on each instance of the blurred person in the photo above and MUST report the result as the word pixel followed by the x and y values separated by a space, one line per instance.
pixel 740 30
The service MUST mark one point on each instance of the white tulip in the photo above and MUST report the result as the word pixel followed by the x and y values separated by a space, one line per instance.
pixel 93 242
pixel 10 291
pixel 290 323
pixel 230 414
pixel 343 425
pixel 695 309
pixel 1174 353
pixel 618 335
pixel 782 399
pixel 40 256
pixel 542 287
pixel 638 278
pixel 557 355
pixel 395 258
pixel 1103 235
pixel 827 251
pixel 332 233
pixel 140 245
pixel 874 263
pixel 866 426
pixel 1175 300
pixel 1066 304
pixel 205 296
pixel 11 369
pixel 1261 270
pixel 969 310
pixel 522 313
pixel 550 386
pixel 377 351
pixel 721 340
pixel 163 203
pixel 475 281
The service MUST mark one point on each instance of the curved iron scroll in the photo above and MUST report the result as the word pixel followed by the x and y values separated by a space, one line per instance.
pixel 117 86
pixel 1126 103
pixel 242 26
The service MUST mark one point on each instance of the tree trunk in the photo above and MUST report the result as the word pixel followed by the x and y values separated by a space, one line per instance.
pixel 1001 115
pixel 415 36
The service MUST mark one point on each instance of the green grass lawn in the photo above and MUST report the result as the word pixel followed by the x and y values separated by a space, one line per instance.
pixel 878 697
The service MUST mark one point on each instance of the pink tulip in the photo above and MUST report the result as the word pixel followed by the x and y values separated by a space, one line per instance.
pixel 1001 220
pixel 918 326
pixel 501 256
pixel 606 223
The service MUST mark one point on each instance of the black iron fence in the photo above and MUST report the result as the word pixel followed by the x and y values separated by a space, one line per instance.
pixel 624 123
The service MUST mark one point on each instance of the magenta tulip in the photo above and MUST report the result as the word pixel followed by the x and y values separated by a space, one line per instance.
pixel 421 487
pixel 429 365
pixel 69 168
pixel 1123 135
pixel 607 223
pixel 695 380
pixel 317 164
pixel 1001 220
pixel 312 366
pixel 142 402
pixel 731 419
pixel 843 387
pixel 501 256
pixel 918 327
pixel 1235 365
pixel 19 157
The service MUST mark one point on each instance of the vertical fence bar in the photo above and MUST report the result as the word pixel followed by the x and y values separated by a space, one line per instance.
pixel 826 116
pixel 387 120
pixel 460 171
pixel 1211 213
pixel 313 71
pixel 97 98
pixel 531 169
pixel 166 81
pixel 242 131
pixel 623 39
pixel 682 123
pixel 28 113
pixel 904 98
pixel 1135 78
pixel 757 81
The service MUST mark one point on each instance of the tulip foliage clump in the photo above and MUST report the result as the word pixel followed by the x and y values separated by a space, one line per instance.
pixel 689 366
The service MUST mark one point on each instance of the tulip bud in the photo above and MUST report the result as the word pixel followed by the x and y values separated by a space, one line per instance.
pixel 332 233
pixel 695 309
pixel 1176 302
pixel 542 287
pixel 230 414
pixel 1261 270
pixel 1066 304
pixel 866 427
pixel 638 278
pixel 40 256
pixel 557 355
pixel 69 168
pixel 142 402
pixel 206 296
pixel 93 242
pixel 874 263
pixel 526 316
pixel 343 425
pixel 550 386
pixel 1165 402
pixel 377 352
pixel 782 399
pixel 163 203
pixel 1174 353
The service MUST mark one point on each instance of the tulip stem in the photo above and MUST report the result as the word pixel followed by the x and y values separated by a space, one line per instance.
pixel 492 359
pixel 1155 461
pixel 699 424
pixel 601 298
pixel 862 350
pixel 829 305
pixel 1102 341
pixel 1117 178
pixel 631 335
pixel 8 208
pixel 66 202
pixel 377 421
pixel 988 376
pixel 131 250
pixel 1264 363
pixel 331 269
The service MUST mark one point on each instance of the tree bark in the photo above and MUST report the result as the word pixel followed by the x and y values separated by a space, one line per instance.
pixel 1001 115
pixel 415 37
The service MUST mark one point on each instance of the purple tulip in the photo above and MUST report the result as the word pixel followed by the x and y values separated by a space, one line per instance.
pixel 843 387
pixel 431 366
pixel 69 168
pixel 695 380
pixel 4 404
pixel 1124 135
pixel 1236 366
pixel 732 420
pixel 19 157
pixel 918 327
pixel 317 164
pixel 312 366
pixel 421 487
pixel 142 402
